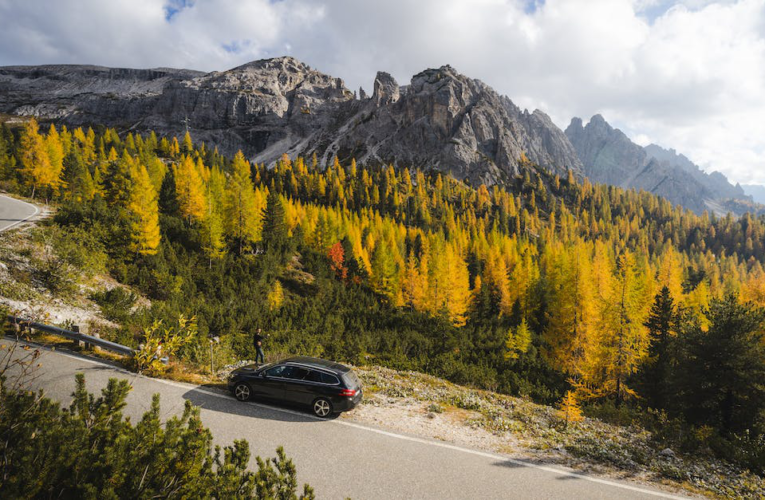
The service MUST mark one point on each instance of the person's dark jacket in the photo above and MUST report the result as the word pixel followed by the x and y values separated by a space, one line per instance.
pixel 258 340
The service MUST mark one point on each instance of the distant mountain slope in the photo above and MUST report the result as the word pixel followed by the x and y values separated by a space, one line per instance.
pixel 266 108
pixel 756 191
pixel 715 182
pixel 610 157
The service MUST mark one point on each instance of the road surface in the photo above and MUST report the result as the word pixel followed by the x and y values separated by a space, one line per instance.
pixel 13 212
pixel 341 458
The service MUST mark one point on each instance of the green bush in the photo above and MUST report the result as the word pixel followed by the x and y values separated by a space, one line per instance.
pixel 90 451
pixel 116 304
pixel 55 274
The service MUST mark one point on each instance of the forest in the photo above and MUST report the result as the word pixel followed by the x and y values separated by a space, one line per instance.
pixel 554 288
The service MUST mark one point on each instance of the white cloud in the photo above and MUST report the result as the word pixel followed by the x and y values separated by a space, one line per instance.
pixel 688 74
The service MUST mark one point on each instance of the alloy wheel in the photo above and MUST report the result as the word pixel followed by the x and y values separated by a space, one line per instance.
pixel 242 392
pixel 322 408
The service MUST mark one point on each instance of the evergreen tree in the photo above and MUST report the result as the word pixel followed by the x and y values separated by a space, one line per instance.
pixel 721 373
pixel 274 224
pixel 653 377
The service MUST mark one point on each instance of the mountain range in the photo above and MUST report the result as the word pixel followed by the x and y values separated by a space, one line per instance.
pixel 441 119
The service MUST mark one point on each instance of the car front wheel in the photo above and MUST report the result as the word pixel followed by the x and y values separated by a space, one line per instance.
pixel 242 391
pixel 322 408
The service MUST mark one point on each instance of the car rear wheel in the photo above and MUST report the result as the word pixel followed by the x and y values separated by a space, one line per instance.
pixel 322 408
pixel 242 391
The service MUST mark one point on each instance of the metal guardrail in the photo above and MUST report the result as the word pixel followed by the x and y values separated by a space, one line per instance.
pixel 77 336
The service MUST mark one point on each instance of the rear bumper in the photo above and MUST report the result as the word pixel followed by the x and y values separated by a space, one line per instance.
pixel 345 404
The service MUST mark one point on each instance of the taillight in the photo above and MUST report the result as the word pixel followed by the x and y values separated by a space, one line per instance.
pixel 348 392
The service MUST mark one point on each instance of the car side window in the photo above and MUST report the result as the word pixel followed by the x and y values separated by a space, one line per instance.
pixel 276 371
pixel 329 379
pixel 294 373
pixel 313 376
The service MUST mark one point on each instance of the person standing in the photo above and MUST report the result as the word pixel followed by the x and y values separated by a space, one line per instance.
pixel 258 341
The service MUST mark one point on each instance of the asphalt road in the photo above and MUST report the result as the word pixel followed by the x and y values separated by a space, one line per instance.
pixel 14 212
pixel 341 458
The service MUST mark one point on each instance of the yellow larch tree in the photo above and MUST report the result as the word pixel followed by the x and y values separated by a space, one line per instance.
pixel 144 209
pixel 55 148
pixel 242 216
pixel 624 337
pixel 190 190
pixel 457 294
pixel 213 226
pixel 518 341
pixel 35 163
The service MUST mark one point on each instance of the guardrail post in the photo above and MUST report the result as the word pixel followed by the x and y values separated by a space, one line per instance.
pixel 78 343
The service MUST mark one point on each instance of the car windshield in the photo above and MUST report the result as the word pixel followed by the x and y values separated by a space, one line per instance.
pixel 351 380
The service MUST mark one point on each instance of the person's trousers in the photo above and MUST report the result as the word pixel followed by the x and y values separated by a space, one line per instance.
pixel 259 357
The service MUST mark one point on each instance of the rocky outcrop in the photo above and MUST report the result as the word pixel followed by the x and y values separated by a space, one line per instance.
pixel 442 119
pixel 608 156
pixel 445 120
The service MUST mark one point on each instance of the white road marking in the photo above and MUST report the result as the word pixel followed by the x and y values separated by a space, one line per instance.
pixel 37 210
pixel 394 435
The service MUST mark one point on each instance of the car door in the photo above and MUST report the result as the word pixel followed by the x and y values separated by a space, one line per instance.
pixel 296 388
pixel 270 383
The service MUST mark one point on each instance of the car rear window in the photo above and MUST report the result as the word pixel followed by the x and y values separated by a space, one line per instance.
pixel 321 377
pixel 351 380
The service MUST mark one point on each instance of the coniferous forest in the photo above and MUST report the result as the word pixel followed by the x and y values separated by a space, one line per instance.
pixel 548 287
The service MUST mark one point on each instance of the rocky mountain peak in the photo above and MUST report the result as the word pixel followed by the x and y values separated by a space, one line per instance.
pixel 386 89
pixel 284 63
pixel 266 108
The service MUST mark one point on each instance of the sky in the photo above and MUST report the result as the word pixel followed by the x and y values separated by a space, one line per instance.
pixel 685 74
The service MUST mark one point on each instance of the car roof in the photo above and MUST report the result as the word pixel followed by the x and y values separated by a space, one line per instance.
pixel 317 363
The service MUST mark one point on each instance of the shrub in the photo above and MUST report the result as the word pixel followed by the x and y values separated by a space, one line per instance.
pixel 116 304
pixel 90 451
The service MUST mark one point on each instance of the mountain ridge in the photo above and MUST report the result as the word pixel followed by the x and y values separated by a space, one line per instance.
pixel 441 119
pixel 610 157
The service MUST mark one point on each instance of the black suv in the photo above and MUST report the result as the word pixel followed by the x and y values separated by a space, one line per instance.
pixel 324 386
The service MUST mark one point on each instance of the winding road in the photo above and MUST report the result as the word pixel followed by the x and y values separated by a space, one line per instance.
pixel 341 458
pixel 13 212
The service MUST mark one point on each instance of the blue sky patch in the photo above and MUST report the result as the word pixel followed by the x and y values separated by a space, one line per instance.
pixel 531 6
pixel 236 46
pixel 173 7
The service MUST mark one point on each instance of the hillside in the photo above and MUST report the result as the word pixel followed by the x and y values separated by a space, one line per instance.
pixel 555 289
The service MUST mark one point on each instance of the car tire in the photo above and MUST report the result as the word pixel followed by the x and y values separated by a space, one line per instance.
pixel 322 408
pixel 242 391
